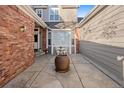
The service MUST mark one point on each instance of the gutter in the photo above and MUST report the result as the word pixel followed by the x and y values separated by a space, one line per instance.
pixel 29 11
pixel 91 14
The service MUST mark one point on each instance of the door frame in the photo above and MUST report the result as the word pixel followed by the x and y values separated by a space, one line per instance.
pixel 70 46
pixel 38 41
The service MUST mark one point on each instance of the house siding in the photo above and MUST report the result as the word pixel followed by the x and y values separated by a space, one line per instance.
pixel 64 13
pixel 16 47
pixel 102 40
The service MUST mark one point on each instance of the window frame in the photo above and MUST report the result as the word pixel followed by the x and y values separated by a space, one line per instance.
pixel 54 8
pixel 41 10
pixel 49 38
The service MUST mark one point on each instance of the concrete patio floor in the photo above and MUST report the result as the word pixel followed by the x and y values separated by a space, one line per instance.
pixel 82 74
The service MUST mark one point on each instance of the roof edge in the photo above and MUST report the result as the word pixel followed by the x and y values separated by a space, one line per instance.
pixel 29 11
pixel 92 13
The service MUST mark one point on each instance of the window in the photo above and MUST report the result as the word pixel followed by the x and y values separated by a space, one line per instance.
pixel 49 38
pixel 54 14
pixel 49 41
pixel 35 38
pixel 35 29
pixel 72 41
pixel 39 12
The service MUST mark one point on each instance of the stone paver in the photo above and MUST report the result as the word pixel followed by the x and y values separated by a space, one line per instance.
pixel 42 75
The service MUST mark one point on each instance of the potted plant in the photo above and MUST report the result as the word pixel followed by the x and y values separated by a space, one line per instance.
pixel 62 60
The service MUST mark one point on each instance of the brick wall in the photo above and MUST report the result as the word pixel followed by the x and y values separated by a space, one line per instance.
pixel 16 47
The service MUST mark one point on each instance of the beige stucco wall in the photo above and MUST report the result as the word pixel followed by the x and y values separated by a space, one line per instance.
pixel 68 15
pixel 102 40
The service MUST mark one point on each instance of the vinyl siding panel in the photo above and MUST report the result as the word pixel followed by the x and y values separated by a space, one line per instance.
pixel 102 40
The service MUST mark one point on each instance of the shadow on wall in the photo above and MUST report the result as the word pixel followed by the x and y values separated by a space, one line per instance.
pixel 108 58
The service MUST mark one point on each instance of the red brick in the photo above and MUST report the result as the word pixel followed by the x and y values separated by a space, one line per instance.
pixel 16 47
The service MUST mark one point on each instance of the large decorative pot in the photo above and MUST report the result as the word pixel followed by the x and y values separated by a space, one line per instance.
pixel 62 63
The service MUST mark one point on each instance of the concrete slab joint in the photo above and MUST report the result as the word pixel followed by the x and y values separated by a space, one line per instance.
pixel 42 74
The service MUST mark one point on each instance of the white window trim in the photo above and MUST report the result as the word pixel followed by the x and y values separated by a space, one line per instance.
pixel 47 38
pixel 68 30
pixel 37 12
pixel 58 13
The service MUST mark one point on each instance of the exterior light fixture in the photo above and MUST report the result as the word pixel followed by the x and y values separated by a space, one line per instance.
pixel 22 28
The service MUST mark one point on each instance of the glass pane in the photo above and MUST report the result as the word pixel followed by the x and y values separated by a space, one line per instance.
pixel 56 12
pixel 52 12
pixel 72 41
pixel 61 38
pixel 49 35
pixel 39 12
pixel 51 17
pixel 35 29
pixel 35 38
pixel 40 15
pixel 56 17
pixel 49 41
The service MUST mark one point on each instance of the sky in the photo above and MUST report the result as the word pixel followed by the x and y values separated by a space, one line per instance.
pixel 84 10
